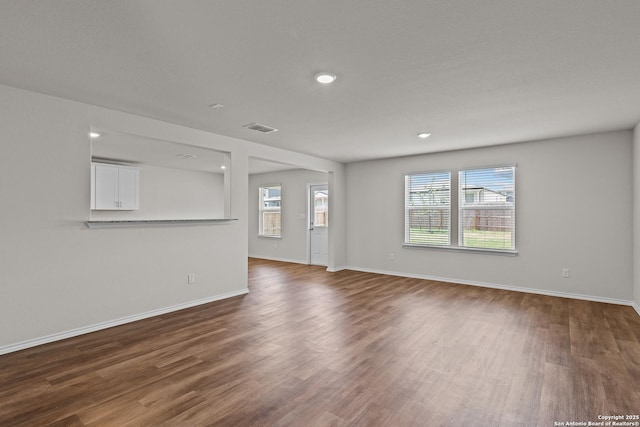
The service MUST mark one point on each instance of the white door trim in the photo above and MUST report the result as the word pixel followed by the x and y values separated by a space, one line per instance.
pixel 310 215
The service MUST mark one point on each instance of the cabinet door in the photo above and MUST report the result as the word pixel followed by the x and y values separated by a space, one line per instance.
pixel 128 188
pixel 106 187
pixel 93 186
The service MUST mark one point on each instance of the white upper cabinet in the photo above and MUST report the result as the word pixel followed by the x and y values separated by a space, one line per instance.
pixel 115 187
pixel 129 188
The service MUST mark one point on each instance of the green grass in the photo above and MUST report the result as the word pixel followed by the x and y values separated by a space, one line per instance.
pixel 422 236
pixel 500 240
pixel 487 239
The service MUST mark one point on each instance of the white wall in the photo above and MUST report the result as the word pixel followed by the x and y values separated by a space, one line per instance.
pixel 636 216
pixel 338 244
pixel 292 246
pixel 573 209
pixel 168 193
pixel 57 276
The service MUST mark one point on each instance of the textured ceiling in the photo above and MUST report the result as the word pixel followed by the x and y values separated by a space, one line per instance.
pixel 474 73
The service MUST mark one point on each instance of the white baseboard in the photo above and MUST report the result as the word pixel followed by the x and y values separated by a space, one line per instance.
pixel 504 287
pixel 636 306
pixel 336 269
pixel 294 261
pixel 111 323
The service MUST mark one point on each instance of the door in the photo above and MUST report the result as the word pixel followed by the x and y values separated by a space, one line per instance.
pixel 319 224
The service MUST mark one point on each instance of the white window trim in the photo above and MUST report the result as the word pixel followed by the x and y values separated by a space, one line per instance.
pixel 454 230
pixel 463 249
pixel 261 211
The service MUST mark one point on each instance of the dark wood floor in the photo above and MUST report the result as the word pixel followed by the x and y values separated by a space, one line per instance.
pixel 311 348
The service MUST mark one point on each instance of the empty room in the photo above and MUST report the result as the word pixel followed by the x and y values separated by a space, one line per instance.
pixel 336 213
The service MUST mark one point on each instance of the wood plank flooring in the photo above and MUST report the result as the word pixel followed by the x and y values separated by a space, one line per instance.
pixel 311 348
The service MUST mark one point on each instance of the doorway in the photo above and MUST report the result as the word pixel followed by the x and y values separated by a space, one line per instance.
pixel 318 224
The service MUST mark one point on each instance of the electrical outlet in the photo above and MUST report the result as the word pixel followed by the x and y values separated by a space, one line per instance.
pixel 566 273
pixel 191 278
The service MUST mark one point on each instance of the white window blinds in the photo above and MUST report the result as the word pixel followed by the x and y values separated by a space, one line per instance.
pixel 487 208
pixel 427 206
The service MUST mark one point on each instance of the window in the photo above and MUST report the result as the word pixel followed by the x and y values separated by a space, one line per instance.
pixel 483 215
pixel 270 215
pixel 487 215
pixel 469 197
pixel 321 208
pixel 428 208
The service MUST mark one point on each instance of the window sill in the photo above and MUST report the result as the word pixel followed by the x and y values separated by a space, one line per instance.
pixel 156 222
pixel 467 250
pixel 269 237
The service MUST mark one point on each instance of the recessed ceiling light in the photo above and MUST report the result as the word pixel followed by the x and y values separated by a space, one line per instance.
pixel 223 167
pixel 216 106
pixel 186 156
pixel 325 78
pixel 94 135
pixel 424 135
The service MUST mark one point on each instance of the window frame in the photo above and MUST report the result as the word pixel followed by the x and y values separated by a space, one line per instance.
pixel 456 214
pixel 435 207
pixel 262 210
pixel 480 204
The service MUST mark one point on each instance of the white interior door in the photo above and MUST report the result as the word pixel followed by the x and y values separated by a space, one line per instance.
pixel 319 224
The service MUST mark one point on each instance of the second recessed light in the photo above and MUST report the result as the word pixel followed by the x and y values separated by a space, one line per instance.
pixel 424 135
pixel 325 78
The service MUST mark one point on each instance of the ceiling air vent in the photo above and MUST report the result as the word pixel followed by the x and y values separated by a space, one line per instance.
pixel 260 128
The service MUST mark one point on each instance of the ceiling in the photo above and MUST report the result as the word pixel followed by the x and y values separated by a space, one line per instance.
pixel 473 73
